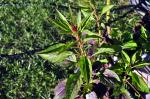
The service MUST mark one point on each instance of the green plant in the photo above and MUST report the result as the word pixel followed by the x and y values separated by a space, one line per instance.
pixel 90 53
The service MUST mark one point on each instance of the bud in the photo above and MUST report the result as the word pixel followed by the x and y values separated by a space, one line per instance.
pixel 91 42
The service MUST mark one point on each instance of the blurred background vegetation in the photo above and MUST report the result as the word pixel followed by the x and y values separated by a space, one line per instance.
pixel 25 26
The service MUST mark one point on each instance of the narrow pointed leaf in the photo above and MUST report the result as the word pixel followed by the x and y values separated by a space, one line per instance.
pixel 62 17
pixel 84 23
pixel 141 65
pixel 61 25
pixel 63 20
pixel 125 57
pixel 106 8
pixel 86 68
pixel 53 48
pixel 79 19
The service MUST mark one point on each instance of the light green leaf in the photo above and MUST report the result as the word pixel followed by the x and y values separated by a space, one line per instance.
pixel 106 8
pixel 90 34
pixel 56 57
pixel 79 19
pixel 141 65
pixel 139 83
pixel 125 57
pixel 73 85
pixel 144 33
pixel 86 68
pixel 133 59
pixel 129 45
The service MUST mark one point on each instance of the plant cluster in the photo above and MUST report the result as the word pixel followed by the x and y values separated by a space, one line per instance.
pixel 104 60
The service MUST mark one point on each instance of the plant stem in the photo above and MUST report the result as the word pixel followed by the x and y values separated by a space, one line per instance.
pixel 108 16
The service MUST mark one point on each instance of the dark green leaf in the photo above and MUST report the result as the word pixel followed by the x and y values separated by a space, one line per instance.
pixel 53 48
pixel 111 49
pixel 89 34
pixel 61 25
pixel 84 23
pixel 73 85
pixel 86 68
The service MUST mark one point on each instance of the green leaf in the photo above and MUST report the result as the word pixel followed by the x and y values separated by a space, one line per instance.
pixel 79 19
pixel 56 57
pixel 53 48
pixel 141 65
pixel 133 59
pixel 125 57
pixel 129 45
pixel 62 17
pixel 64 20
pixel 84 23
pixel 73 85
pixel 86 68
pixel 144 33
pixel 61 25
pixel 126 94
pixel 106 8
pixel 111 49
pixel 90 34
pixel 139 83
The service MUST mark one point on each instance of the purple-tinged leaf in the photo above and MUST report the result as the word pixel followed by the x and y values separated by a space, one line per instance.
pixel 111 74
pixel 59 90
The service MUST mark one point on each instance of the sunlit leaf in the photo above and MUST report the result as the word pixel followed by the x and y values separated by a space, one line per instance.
pixel 56 57
pixel 73 85
pixel 106 8
pixel 139 83
pixel 133 59
pixel 141 65
pixel 129 45
pixel 79 19
pixel 125 57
